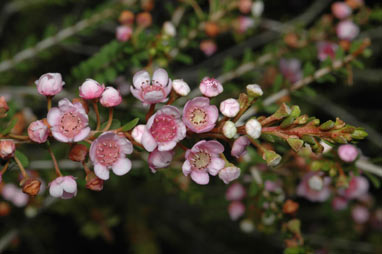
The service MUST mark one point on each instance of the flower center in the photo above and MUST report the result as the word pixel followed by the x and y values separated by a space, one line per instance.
pixel 198 116
pixel 70 124
pixel 107 152
pixel 164 128
pixel 201 160
pixel 153 88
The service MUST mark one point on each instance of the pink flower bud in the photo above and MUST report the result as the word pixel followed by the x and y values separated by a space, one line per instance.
pixel 208 47
pixel 360 214
pixel 50 84
pixel 347 153
pixel 64 187
pixel 316 190
pixel 160 159
pixel 180 87
pixel 239 146
pixel 339 203
pixel 137 133
pixel 358 188
pixel 347 30
pixel 91 89
pixel 38 131
pixel 123 33
pixel 229 174
pixel 229 107
pixel 3 107
pixel 326 49
pixel 272 186
pixel 236 209
pixel 245 6
pixel 242 24
pixel 291 69
pixel 15 195
pixel 254 90
pixel 341 10
pixel 210 87
pixel 111 97
pixel 7 149
pixel 235 192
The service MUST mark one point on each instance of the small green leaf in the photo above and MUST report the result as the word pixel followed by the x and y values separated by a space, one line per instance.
pixel 9 127
pixel 130 125
pixel 22 157
pixel 376 182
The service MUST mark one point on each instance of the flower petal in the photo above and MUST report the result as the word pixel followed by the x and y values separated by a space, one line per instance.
pixel 200 177
pixel 59 136
pixel 160 76
pixel 84 133
pixel 54 116
pixel 186 168
pixel 122 166
pixel 141 78
pixel 69 185
pixel 167 146
pixel 55 190
pixel 214 146
pixel 215 166
pixel 101 171
pixel 148 141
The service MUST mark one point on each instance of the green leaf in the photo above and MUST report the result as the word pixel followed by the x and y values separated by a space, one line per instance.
pixel 22 158
pixel 9 127
pixel 375 180
pixel 130 124
pixel 277 83
pixel 253 189
pixel 308 69
pixel 115 124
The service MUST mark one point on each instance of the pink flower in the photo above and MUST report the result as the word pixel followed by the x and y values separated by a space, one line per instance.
pixel 314 188
pixel 154 92
pixel 236 209
pixel 50 84
pixel 137 133
pixel 15 195
pixel 203 159
pixel 7 149
pixel 64 187
pixel 244 23
pixel 180 87
pixel 272 186
pixel 208 47
pixel 347 30
pixel 326 49
pixel 230 107
pixel 239 146
pixel 164 130
pixel 339 203
pixel 229 174
pixel 341 10
pixel 91 89
pixel 358 187
pixel 291 69
pixel 210 87
pixel 160 159
pixel 69 122
pixel 360 214
pixel 235 192
pixel 109 151
pixel 38 131
pixel 199 116
pixel 110 97
pixel 123 33
pixel 347 153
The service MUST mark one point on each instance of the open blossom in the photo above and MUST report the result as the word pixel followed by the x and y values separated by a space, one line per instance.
pixel 7 149
pixel 236 209
pixel 160 159
pixel 69 122
pixel 164 130
pixel 203 159
pixel 109 151
pixel 239 146
pixel 210 87
pixel 360 214
pixel 123 33
pixel 326 49
pixel 208 47
pixel 235 192
pixel 229 174
pixel 291 69
pixel 347 30
pixel 38 131
pixel 111 97
pixel 358 187
pixel 64 187
pixel 91 89
pixel 347 152
pixel 199 116
pixel 314 188
pixel 341 10
pixel 15 195
pixel 151 92
pixel 49 84
pixel 230 107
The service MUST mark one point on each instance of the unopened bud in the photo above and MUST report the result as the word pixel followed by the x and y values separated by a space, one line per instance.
pixel 93 182
pixel 180 87
pixel 126 18
pixel 271 157
pixel 229 174
pixel 211 29
pixel 254 90
pixel 7 149
pixel 257 8
pixel 295 143
pixel 229 129
pixel 253 128
pixel 144 19
pixel 78 152
pixel 359 134
pixel 169 29
pixel 3 107
pixel 290 207
pixel 31 186
pixel 229 107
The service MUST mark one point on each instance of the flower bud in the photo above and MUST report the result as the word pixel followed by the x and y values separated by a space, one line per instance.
pixel 359 134
pixel 272 158
pixel 354 4
pixel 347 153
pixel 169 29
pixel 341 10
pixel 31 186
pixel 110 97
pixel 316 183
pixel 38 131
pixel 347 30
pixel 254 90
pixel 290 207
pixel 236 209
pixel 93 182
pixel 126 18
pixel 137 133
pixel 239 146
pixel 257 8
pixel 210 87
pixel 339 203
pixel 212 29
pixel 229 174
pixel 208 47
pixel 180 87
pixel 229 107
pixel 253 128
pixel 360 214
pixel 50 84
pixel 91 89
pixel 78 152
pixel 3 107
pixel 229 129
pixel 160 159
pixel 123 33
pixel 245 6
pixel 7 149
pixel 235 191
pixel 247 226
pixel 144 19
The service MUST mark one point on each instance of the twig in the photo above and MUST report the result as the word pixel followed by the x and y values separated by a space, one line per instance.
pixel 369 167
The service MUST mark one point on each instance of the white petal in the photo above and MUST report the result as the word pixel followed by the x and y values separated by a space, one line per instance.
pixel 215 166
pixel 161 76
pixel 84 133
pixel 101 171
pixel 54 116
pixel 125 145
pixel 166 146
pixel 186 168
pixel 55 190
pixel 200 177
pixel 148 141
pixel 139 77
pixel 122 166
pixel 59 136
pixel 136 93
pixel 69 185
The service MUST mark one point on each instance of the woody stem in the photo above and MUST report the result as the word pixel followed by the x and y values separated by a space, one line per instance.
pixel 4 169
pixel 110 120
pixel 49 102
pixel 151 111
pixel 58 172
pixel 95 107
pixel 21 167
